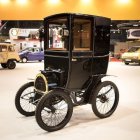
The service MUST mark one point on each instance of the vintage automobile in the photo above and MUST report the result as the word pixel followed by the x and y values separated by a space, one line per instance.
pixel 8 56
pixel 31 54
pixel 76 50
pixel 132 55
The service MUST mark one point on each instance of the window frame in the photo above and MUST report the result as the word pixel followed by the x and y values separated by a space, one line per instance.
pixel 91 19
pixel 47 36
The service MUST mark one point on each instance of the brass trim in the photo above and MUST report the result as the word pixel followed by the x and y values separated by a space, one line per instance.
pixel 45 80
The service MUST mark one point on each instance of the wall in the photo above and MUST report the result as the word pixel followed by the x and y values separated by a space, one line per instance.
pixel 38 9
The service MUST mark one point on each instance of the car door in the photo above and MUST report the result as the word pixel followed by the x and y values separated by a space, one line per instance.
pixel 38 54
pixel 3 54
pixel 32 55
pixel 81 63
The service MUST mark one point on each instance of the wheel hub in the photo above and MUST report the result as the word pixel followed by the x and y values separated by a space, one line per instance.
pixel 31 99
pixel 103 98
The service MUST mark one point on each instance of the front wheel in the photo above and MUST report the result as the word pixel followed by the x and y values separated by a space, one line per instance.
pixel 11 64
pixel 105 99
pixel 26 99
pixel 54 110
pixel 126 63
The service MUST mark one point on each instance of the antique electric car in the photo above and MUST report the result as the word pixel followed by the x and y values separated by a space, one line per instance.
pixel 76 48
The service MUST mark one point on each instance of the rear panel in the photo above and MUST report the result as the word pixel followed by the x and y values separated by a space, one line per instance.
pixel 101 45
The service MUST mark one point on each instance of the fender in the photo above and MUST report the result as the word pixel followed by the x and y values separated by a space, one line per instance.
pixel 93 82
pixel 98 78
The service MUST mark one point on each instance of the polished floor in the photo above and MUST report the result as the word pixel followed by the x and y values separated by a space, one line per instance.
pixel 122 125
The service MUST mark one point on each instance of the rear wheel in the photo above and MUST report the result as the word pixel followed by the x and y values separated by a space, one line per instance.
pixel 4 65
pixel 126 63
pixel 11 64
pixel 26 99
pixel 54 111
pixel 105 99
pixel 24 60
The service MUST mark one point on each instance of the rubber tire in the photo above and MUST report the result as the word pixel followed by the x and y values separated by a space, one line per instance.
pixel 126 63
pixel 99 87
pixel 17 100
pixel 11 64
pixel 39 109
pixel 24 60
pixel 4 65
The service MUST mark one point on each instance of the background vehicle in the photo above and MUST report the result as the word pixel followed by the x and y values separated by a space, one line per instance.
pixel 76 48
pixel 31 54
pixel 8 56
pixel 132 55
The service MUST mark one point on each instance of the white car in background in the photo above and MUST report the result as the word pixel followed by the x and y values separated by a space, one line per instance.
pixel 132 55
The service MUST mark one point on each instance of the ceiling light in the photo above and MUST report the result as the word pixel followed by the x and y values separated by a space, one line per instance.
pixel 53 1
pixel 22 1
pixel 4 1
pixel 123 1
pixel 86 1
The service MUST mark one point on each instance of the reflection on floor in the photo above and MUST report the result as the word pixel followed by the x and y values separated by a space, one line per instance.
pixel 123 124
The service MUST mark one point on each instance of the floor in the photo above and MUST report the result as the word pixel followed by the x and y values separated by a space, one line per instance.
pixel 123 124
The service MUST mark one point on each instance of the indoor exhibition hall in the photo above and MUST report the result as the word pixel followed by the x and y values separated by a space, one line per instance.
pixel 69 69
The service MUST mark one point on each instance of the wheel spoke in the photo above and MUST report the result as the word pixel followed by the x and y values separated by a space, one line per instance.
pixel 105 99
pixel 51 118
pixel 29 93
pixel 27 100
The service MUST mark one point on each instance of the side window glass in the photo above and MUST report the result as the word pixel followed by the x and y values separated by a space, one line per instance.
pixel 81 34
pixel 58 34
pixel 11 49
pixel 4 48
pixel 36 50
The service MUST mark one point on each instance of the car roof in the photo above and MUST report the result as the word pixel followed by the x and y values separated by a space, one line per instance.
pixel 136 46
pixel 6 44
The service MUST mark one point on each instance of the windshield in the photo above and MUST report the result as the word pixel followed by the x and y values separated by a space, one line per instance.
pixel 134 49
pixel 28 49
pixel 58 34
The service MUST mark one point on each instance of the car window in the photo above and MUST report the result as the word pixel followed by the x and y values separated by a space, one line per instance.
pixel 26 49
pixel 36 50
pixel 133 49
pixel 31 49
pixel 82 34
pixel 58 34
pixel 3 48
pixel 11 49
